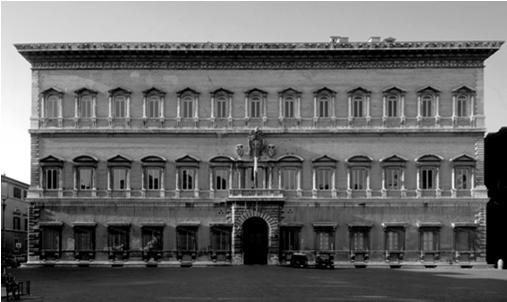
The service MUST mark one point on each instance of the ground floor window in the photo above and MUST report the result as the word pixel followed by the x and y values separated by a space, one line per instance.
pixel 464 239
pixel 84 239
pixel 118 238
pixel 51 239
pixel 289 238
pixel 152 238
pixel 395 239
pixel 324 240
pixel 359 239
pixel 186 238
pixel 221 238
pixel 429 240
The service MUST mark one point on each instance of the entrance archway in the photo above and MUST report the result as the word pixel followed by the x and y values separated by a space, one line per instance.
pixel 255 241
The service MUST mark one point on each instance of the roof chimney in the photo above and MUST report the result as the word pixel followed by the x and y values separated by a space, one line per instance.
pixel 374 39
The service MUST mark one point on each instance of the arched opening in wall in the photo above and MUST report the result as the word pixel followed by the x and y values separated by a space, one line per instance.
pixel 255 241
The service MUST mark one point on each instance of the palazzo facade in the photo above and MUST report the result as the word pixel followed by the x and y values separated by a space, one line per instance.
pixel 246 153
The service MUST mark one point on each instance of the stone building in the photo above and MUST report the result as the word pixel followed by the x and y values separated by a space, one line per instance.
pixel 356 152
pixel 14 218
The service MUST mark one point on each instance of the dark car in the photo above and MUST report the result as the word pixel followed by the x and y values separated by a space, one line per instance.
pixel 299 260
pixel 324 260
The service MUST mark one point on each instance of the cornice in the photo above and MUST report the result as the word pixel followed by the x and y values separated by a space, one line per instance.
pixel 353 55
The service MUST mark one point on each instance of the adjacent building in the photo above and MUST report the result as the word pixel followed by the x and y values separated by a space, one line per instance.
pixel 14 218
pixel 352 152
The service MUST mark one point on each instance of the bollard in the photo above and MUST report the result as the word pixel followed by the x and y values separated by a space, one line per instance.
pixel 499 264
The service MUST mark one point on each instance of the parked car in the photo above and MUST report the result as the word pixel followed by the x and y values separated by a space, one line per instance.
pixel 299 260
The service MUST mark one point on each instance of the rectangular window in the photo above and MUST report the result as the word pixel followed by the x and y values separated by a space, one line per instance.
pixel 51 107
pixel 85 181
pixel 186 239
pixel 152 238
pixel 188 111
pixel 84 238
pixel 324 179
pixel 324 107
pixel 16 223
pixel 429 240
pixel 464 239
pixel 395 238
pixel 357 110
pixel 120 107
pixel 427 181
pixel 118 238
pixel 85 107
pixel 26 224
pixel 358 178
pixel 51 179
pixel 392 107
pixel 290 238
pixel 16 192
pixel 221 110
pixel 154 108
pixel 289 108
pixel 462 178
pixel 153 178
pixel 50 239
pixel 426 106
pixel 461 106
pixel 289 179
pixel 221 238
pixel 393 178
pixel 221 176
pixel 187 178
pixel 255 108
pixel 359 239
pixel 119 179
pixel 325 240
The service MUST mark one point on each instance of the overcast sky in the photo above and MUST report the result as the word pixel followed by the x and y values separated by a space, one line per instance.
pixel 234 22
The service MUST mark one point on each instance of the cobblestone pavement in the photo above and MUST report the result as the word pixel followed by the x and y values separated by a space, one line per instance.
pixel 264 283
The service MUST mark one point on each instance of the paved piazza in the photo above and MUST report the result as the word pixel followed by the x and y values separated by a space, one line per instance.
pixel 264 283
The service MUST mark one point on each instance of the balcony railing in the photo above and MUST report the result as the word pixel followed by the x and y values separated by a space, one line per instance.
pixel 256 193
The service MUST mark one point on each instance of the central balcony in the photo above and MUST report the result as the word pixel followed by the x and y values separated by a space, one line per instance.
pixel 257 194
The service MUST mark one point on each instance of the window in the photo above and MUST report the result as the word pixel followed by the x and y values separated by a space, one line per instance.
pixel 289 178
pixel 464 239
pixel 395 238
pixel 323 106
pixel 16 192
pixel 26 224
pixel 426 106
pixel 255 107
pixel 462 178
pixel 188 104
pixel 186 239
pixel 358 178
pixel 50 239
pixel 289 238
pixel 51 106
pixel 120 107
pixel 323 179
pixel 427 178
pixel 152 238
pixel 429 240
pixel 118 238
pixel 16 223
pixel 393 178
pixel 118 178
pixel 357 106
pixel 153 178
pixel 187 176
pixel 359 239
pixel 85 181
pixel 51 178
pixel 392 106
pixel 84 238
pixel 221 176
pixel 289 104
pixel 221 239
pixel 153 107
pixel 461 106
pixel 221 107
pixel 324 240
pixel 85 106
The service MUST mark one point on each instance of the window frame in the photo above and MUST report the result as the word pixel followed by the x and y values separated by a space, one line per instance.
pixel 364 230
pixel 191 237
pixel 290 238
pixel 217 233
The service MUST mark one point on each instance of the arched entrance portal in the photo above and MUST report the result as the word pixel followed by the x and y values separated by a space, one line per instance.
pixel 255 241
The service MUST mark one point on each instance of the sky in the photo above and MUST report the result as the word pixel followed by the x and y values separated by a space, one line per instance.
pixel 33 22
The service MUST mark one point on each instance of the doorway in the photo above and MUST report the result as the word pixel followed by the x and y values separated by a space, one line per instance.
pixel 255 241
